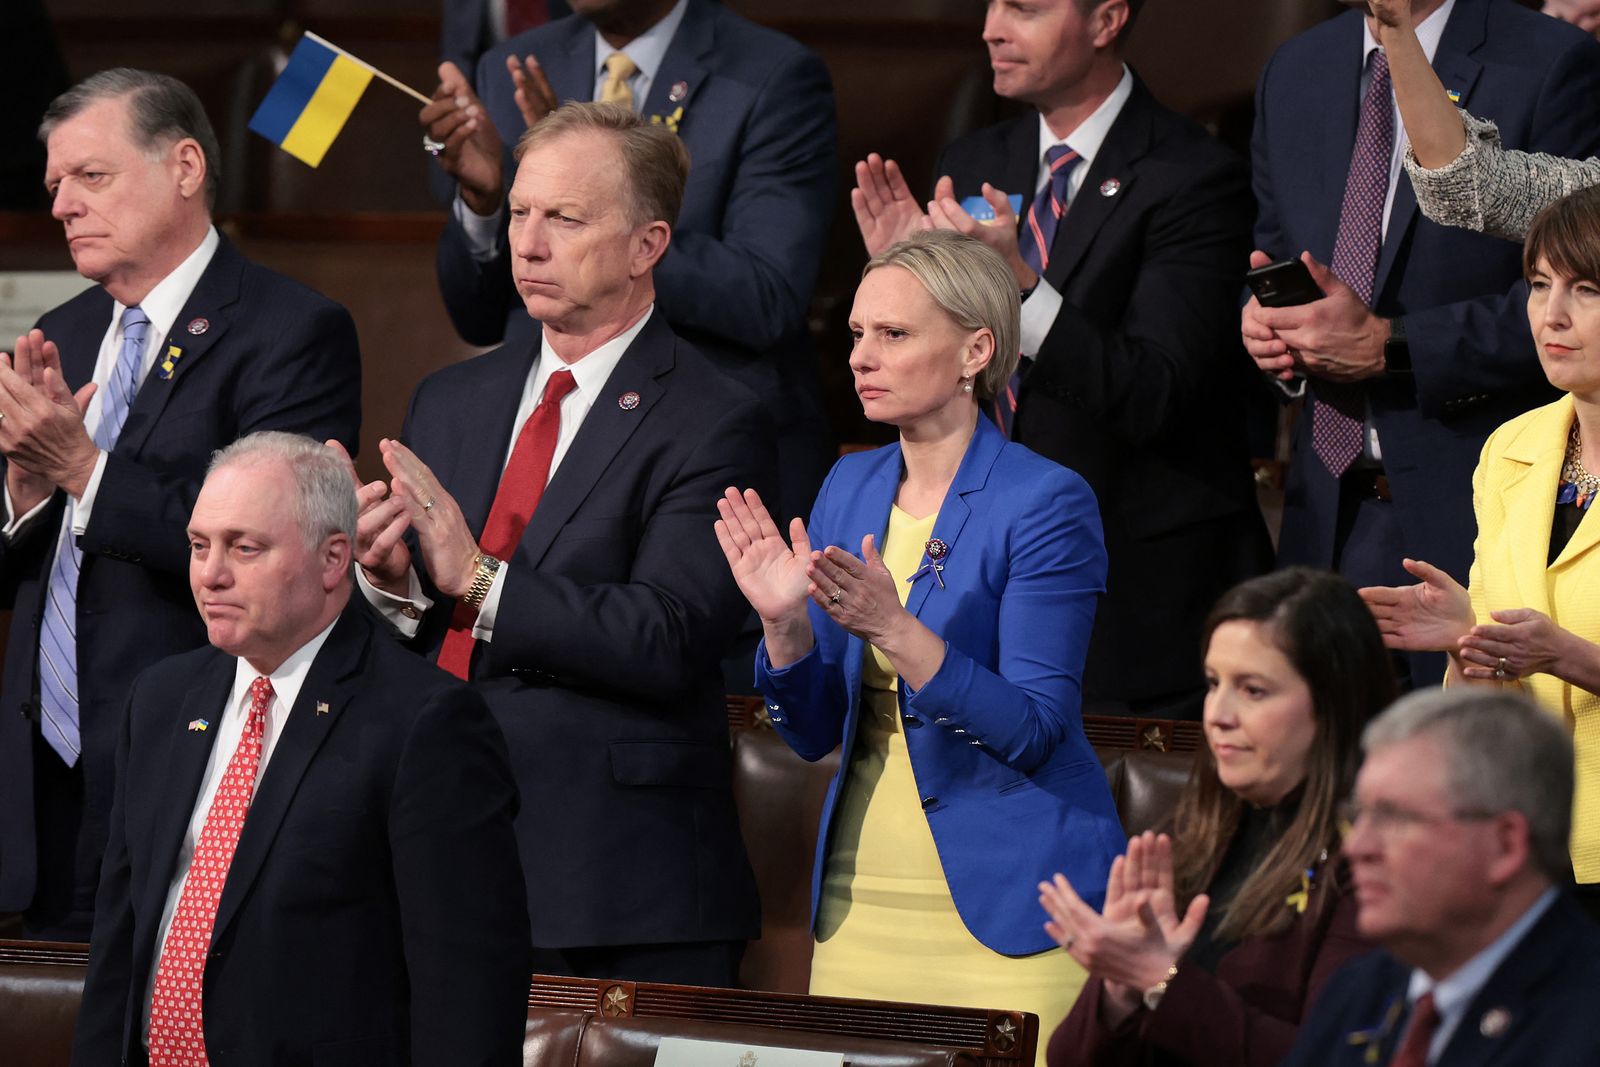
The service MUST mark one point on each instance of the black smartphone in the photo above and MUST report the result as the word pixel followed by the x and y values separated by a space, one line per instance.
pixel 1282 285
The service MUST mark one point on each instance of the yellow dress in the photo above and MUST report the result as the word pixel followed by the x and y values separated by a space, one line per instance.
pixel 887 928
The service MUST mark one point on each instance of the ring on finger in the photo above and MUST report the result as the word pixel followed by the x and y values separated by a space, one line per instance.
pixel 836 596
pixel 427 505
pixel 1069 942
pixel 430 146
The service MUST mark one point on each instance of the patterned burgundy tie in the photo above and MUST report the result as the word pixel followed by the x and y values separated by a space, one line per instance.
pixel 177 1027
pixel 1039 228
pixel 1337 410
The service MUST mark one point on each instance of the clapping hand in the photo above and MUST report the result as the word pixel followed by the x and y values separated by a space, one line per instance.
pixel 471 146
pixel 534 96
pixel 1431 616
pixel 41 424
pixel 1520 642
pixel 885 210
pixel 382 520
pixel 946 213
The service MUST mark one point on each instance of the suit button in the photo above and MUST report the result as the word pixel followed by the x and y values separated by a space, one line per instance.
pixel 929 802
pixel 911 721
pixel 957 730
pixel 975 741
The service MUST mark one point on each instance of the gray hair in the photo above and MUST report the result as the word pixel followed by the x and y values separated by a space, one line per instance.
pixel 655 163
pixel 1504 753
pixel 161 111
pixel 973 285
pixel 325 499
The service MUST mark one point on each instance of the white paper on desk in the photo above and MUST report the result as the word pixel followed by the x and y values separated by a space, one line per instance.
pixel 27 294
pixel 688 1052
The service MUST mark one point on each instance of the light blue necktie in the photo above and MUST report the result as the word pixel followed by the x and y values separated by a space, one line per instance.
pixel 58 631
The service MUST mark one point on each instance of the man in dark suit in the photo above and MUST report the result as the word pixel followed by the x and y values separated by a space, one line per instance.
pixel 755 110
pixel 1458 844
pixel 1421 345
pixel 590 605
pixel 108 413
pixel 311 825
pixel 1131 373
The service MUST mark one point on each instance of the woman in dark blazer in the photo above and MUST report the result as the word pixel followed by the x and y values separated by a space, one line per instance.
pixel 1215 940
pixel 946 658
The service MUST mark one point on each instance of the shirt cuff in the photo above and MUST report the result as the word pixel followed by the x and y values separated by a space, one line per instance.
pixel 16 525
pixel 82 507
pixel 483 627
pixel 482 231
pixel 1038 315
pixel 404 613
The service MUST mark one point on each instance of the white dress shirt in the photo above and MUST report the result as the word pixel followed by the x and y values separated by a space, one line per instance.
pixel 1044 303
pixel 589 375
pixel 229 727
pixel 161 306
pixel 485 232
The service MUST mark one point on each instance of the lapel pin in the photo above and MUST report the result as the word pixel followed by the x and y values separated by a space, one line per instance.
pixel 169 363
pixel 678 91
pixel 198 326
pixel 198 725
pixel 628 401
pixel 322 707
pixel 934 552
pixel 1454 95
pixel 1495 1021
pixel 1110 187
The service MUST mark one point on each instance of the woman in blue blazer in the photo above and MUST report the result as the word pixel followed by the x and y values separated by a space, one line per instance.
pixel 948 666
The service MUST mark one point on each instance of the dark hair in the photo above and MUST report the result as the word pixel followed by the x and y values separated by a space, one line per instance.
pixel 1566 235
pixel 161 111
pixel 1327 633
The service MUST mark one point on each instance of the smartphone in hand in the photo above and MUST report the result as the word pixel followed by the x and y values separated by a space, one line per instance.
pixel 1284 284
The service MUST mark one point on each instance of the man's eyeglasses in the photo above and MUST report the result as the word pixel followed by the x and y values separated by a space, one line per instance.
pixel 1388 818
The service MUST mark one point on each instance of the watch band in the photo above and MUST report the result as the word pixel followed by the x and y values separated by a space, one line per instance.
pixel 1397 350
pixel 482 578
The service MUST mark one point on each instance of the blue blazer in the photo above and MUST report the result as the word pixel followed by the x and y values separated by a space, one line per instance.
pixel 1459 294
pixel 1012 790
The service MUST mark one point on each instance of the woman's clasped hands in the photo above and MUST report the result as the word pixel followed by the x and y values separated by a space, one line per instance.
pixel 1135 941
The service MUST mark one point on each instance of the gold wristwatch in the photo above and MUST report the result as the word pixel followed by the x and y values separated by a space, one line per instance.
pixel 482 578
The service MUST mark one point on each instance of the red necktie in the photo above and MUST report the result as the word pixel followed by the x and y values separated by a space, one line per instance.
pixel 177 1029
pixel 1413 1051
pixel 521 486
pixel 525 15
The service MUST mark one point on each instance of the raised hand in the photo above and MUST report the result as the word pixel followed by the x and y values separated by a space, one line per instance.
pixel 1520 642
pixel 443 537
pixel 885 210
pixel 534 97
pixel 41 420
pixel 381 522
pixel 770 571
pixel 858 594
pixel 472 148
pixel 1431 616
pixel 946 213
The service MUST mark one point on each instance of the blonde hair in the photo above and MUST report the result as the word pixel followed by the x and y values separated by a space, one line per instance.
pixel 654 162
pixel 973 285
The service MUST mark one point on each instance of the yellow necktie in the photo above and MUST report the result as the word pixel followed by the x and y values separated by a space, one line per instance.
pixel 619 68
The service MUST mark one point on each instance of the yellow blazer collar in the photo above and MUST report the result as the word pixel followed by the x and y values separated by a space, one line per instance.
pixel 1535 455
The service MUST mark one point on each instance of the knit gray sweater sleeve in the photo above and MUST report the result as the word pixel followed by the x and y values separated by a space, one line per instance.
pixel 1494 189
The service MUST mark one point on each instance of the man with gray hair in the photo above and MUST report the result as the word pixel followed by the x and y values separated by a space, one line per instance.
pixel 1457 844
pixel 109 409
pixel 311 856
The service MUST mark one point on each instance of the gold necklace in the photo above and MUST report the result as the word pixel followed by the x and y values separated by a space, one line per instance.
pixel 1575 474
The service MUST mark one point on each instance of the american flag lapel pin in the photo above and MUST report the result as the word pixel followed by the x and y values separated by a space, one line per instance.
pixel 322 707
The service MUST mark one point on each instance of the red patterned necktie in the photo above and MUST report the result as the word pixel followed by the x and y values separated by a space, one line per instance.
pixel 525 15
pixel 177 1027
pixel 1338 412
pixel 1039 228
pixel 1413 1051
pixel 521 486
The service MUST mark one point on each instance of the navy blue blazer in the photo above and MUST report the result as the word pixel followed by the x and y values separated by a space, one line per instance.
pixel 273 355
pixel 604 671
pixel 758 121
pixel 995 736
pixel 373 910
pixel 1459 294
pixel 1536 1008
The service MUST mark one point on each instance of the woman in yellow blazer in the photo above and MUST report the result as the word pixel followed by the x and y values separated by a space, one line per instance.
pixel 1531 615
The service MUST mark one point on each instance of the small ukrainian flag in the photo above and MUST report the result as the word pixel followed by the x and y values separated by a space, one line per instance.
pixel 312 99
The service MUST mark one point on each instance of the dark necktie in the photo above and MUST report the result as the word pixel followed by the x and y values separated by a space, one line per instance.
pixel 1338 410
pixel 521 486
pixel 525 15
pixel 1413 1051
pixel 1039 228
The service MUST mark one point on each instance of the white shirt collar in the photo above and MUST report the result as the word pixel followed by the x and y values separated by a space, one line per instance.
pixel 646 50
pixel 1429 32
pixel 287 679
pixel 1091 132
pixel 590 371
pixel 162 304
pixel 1453 995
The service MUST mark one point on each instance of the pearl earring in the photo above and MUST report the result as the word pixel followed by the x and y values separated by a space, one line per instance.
pixel 966 383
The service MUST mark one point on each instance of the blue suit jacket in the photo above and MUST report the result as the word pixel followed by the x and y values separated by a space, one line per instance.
pixel 1012 790
pixel 1543 994
pixel 758 121
pixel 274 356
pixel 1459 293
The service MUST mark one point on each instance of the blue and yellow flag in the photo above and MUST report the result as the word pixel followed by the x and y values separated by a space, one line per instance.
pixel 312 99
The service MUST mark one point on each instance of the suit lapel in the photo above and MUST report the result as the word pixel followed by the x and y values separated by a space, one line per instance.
pixel 870 513
pixel 971 476
pixel 187 754
pixel 605 430
pixel 332 681
pixel 212 302
pixel 494 412
pixel 682 62
pixel 80 338
pixel 570 63
pixel 1126 142
pixel 1333 121
pixel 1534 458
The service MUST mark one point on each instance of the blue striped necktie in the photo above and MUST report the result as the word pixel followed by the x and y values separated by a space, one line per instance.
pixel 58 631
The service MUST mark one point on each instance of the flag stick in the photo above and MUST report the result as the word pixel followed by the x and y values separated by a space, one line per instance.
pixel 402 86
